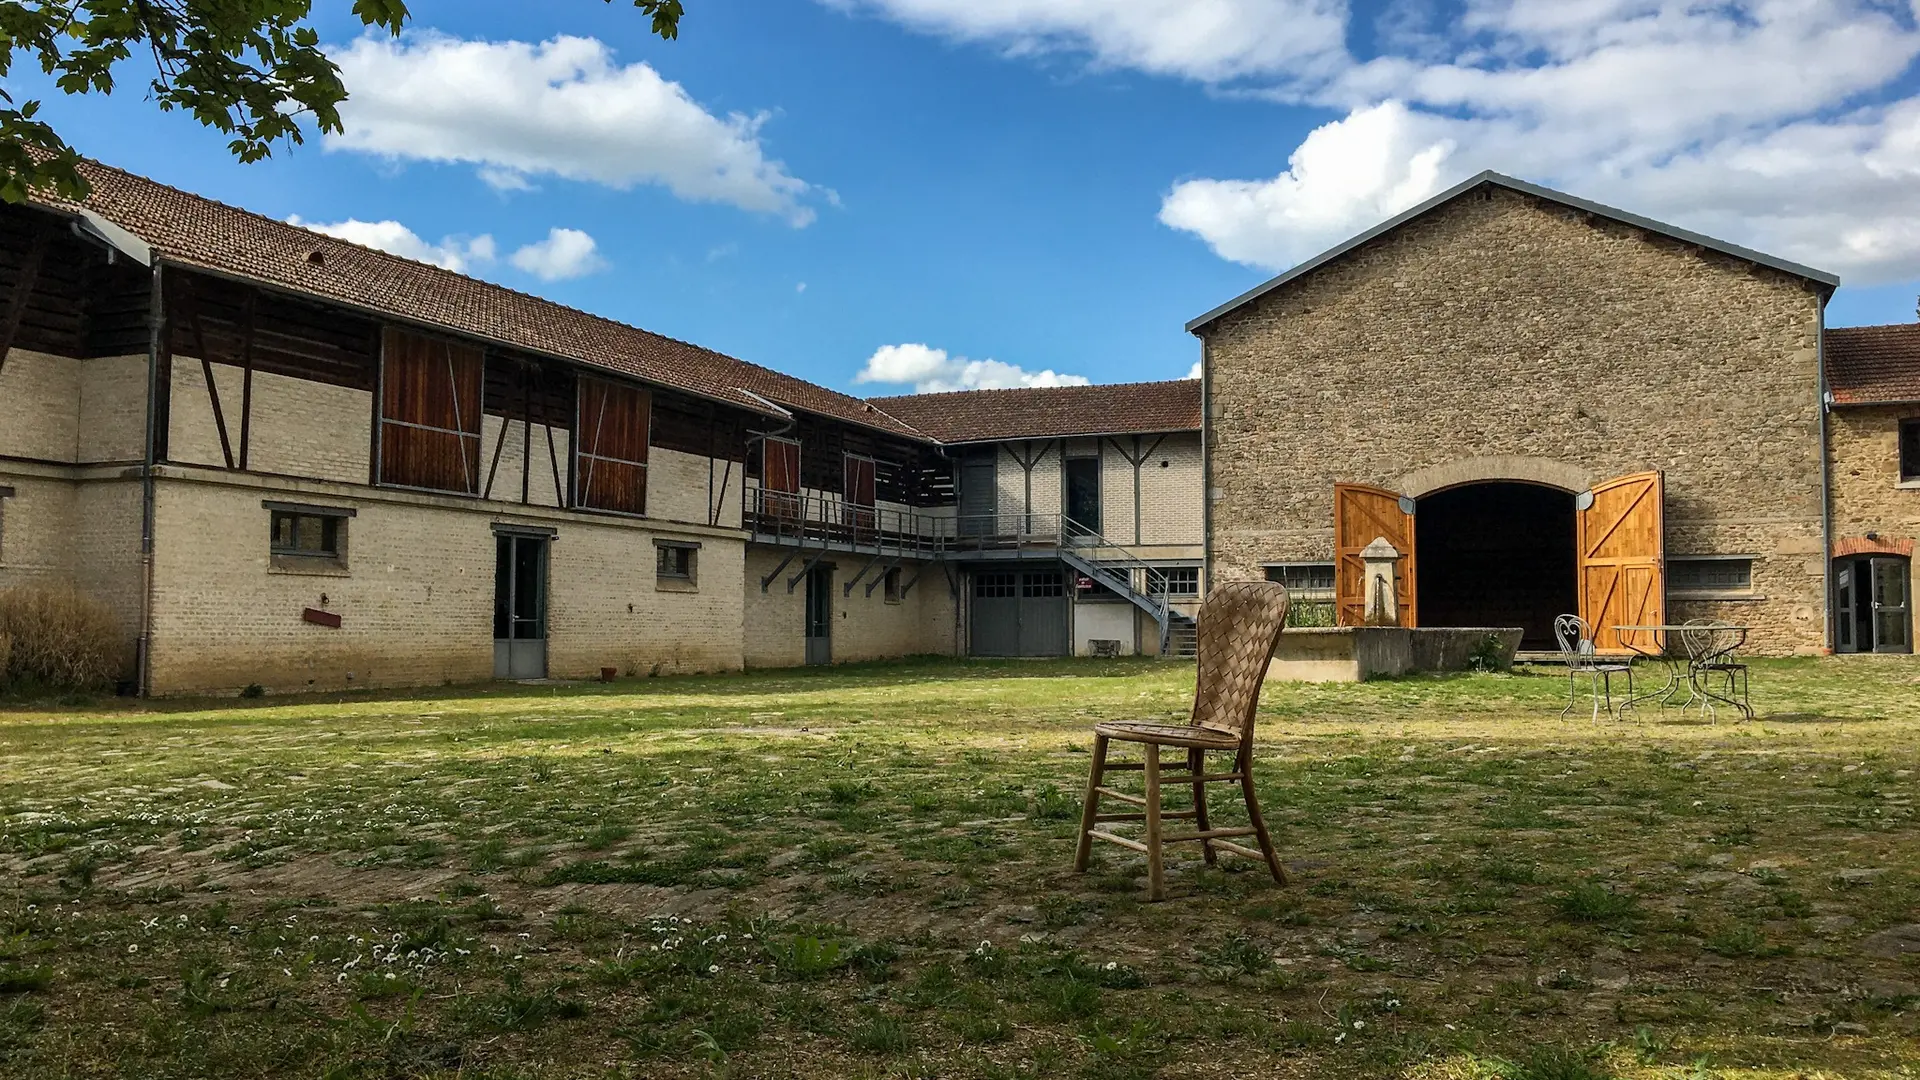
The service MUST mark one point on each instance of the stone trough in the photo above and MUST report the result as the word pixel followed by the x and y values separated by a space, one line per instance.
pixel 1359 653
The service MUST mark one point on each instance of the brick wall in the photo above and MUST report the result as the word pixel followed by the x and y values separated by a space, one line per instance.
pixel 112 409
pixel 36 526
pixel 39 406
pixel 864 627
pixel 1509 326
pixel 299 427
pixel 1868 494
pixel 416 600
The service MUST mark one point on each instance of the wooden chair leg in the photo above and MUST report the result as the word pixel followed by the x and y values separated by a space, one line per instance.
pixel 1099 766
pixel 1197 765
pixel 1156 871
pixel 1243 764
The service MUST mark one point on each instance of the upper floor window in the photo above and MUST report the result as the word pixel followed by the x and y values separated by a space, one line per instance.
pixel 1910 449
pixel 612 457
pixel 430 410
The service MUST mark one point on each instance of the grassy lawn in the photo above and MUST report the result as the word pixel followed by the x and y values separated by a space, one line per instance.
pixel 864 872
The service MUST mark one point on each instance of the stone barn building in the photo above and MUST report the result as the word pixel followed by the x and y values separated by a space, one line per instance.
pixel 1547 406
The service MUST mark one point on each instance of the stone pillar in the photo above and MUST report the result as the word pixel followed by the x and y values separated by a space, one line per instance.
pixel 1379 560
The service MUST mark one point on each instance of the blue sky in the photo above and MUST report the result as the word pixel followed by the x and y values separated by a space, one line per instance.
pixel 902 186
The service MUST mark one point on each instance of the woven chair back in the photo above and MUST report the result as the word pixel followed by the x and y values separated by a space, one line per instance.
pixel 1239 626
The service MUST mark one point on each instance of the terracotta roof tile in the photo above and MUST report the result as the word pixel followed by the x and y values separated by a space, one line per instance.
pixel 1051 412
pixel 1867 364
pixel 188 229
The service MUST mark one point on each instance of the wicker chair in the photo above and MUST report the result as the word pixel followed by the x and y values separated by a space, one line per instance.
pixel 1239 627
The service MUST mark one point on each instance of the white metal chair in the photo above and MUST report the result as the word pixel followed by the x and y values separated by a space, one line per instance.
pixel 1577 652
pixel 1710 649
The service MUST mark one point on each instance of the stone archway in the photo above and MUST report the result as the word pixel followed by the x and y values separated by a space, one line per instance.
pixel 1495 469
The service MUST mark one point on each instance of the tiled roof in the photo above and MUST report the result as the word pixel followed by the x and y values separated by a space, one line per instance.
pixel 187 229
pixel 1051 412
pixel 1867 364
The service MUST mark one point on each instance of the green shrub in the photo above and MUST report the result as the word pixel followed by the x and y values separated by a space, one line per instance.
pixel 58 638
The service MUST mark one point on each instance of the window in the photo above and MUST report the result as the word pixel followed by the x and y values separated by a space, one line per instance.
pixel 1710 575
pixel 1043 585
pixel 1175 581
pixel 612 458
pixel 1910 449
pixel 995 586
pixel 430 409
pixel 892 586
pixel 1304 580
pixel 307 538
pixel 676 564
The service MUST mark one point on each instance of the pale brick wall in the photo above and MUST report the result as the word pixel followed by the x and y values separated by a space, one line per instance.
pixel 1010 482
pixel 1170 495
pixel 548 459
pixel 112 409
pixel 1868 494
pixel 1508 327
pixel 106 552
pixel 682 487
pixel 864 627
pixel 39 406
pixel 36 530
pixel 299 427
pixel 417 598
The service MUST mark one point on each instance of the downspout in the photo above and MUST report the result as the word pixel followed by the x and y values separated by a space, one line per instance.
pixel 1206 471
pixel 1826 484
pixel 149 456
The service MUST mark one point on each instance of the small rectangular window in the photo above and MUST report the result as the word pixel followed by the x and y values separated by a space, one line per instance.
pixel 892 587
pixel 995 586
pixel 676 564
pixel 1176 581
pixel 307 537
pixel 5 494
pixel 1306 581
pixel 1714 575
pixel 1043 585
pixel 1910 449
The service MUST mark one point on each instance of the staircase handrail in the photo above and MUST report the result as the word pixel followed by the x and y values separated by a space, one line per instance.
pixel 1073 534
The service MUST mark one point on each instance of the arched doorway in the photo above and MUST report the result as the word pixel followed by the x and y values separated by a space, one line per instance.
pixel 1498 553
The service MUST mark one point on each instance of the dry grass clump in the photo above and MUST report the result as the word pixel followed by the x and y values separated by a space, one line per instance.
pixel 56 637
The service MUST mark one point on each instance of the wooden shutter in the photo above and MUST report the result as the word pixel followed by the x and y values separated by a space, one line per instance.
pixel 430 409
pixel 1622 558
pixel 781 478
pixel 611 436
pixel 858 493
pixel 1362 514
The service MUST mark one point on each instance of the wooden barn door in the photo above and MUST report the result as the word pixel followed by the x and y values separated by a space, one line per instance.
pixel 1622 558
pixel 1361 514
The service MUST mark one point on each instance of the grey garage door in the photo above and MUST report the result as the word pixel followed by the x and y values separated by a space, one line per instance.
pixel 1019 613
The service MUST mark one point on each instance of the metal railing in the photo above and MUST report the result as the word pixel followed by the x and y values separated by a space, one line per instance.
pixel 827 520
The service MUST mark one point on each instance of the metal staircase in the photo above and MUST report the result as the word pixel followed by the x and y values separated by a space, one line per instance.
pixel 1119 569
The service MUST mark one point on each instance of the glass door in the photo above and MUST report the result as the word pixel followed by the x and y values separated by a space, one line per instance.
pixel 520 607
pixel 1892 606
pixel 820 615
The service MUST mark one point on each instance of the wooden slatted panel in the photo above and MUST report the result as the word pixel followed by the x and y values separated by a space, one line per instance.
pixel 781 477
pixel 430 410
pixel 858 484
pixel 1362 514
pixel 612 431
pixel 1622 558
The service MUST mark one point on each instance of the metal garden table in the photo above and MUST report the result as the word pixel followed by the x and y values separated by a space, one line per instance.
pixel 1655 642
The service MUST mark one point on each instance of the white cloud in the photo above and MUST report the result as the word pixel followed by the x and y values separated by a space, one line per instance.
pixel 1193 372
pixel 1206 40
pixel 564 108
pixel 933 371
pixel 565 253
pixel 1786 125
pixel 1772 124
pixel 453 253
